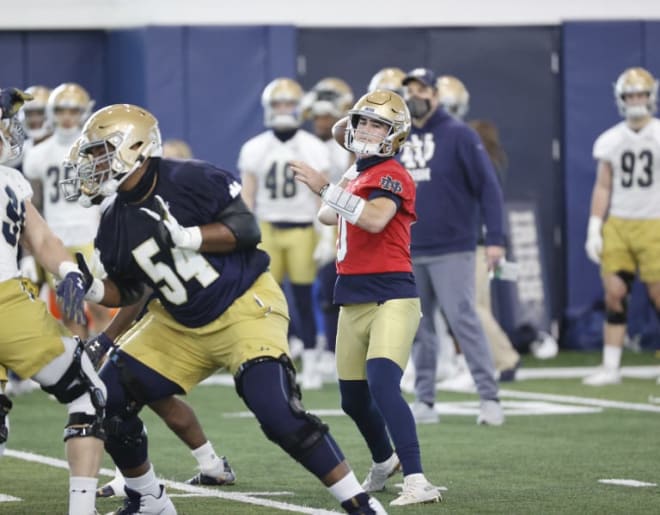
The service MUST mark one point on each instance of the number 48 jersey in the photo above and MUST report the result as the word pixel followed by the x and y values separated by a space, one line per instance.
pixel 279 197
pixel 635 160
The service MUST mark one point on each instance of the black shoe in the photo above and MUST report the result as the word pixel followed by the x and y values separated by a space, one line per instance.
pixel 509 375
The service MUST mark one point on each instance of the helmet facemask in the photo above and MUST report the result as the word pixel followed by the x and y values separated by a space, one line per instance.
pixel 12 137
pixel 360 140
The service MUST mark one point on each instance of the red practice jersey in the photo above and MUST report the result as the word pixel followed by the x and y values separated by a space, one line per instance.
pixel 361 252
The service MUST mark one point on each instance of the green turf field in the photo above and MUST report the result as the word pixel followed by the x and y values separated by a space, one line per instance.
pixel 545 459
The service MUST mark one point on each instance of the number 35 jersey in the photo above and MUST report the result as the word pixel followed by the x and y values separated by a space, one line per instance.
pixel 14 190
pixel 635 160
pixel 279 197
pixel 74 224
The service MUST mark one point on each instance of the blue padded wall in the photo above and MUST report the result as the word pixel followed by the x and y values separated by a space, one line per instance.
pixel 595 54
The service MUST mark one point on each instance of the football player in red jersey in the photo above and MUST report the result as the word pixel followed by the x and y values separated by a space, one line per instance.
pixel 374 206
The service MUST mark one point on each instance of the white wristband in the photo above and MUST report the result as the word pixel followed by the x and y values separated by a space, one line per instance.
pixel 96 291
pixel 348 206
pixel 66 267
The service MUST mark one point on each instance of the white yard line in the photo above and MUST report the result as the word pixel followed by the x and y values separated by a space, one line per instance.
pixel 586 401
pixel 626 482
pixel 244 497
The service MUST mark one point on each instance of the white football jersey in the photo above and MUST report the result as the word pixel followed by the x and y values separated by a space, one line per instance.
pixel 635 160
pixel 340 160
pixel 72 223
pixel 14 190
pixel 279 196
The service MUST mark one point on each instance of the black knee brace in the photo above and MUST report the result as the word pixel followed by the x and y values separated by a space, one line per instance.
pixel 306 437
pixel 621 317
pixel 126 441
pixel 75 382
pixel 5 408
pixel 81 425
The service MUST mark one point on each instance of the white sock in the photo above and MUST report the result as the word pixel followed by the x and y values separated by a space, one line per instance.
pixel 82 495
pixel 346 488
pixel 208 461
pixel 146 484
pixel 612 357
pixel 414 478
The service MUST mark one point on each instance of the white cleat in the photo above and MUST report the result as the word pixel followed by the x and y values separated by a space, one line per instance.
pixel 602 377
pixel 379 473
pixel 137 504
pixel 417 490
pixel 490 413
pixel 424 414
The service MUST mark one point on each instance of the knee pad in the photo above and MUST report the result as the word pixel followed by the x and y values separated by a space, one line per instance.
pixel 297 431
pixel 78 379
pixel 126 441
pixel 618 317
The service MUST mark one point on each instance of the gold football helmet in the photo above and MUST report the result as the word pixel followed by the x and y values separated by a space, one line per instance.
pixel 12 134
pixel 35 122
pixel 330 96
pixel 636 80
pixel 453 96
pixel 69 96
pixel 388 78
pixel 386 107
pixel 115 142
pixel 282 103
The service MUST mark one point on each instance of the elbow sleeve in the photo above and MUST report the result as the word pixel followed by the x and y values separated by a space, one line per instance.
pixel 242 223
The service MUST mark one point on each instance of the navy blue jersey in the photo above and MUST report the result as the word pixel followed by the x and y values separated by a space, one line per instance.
pixel 194 287
pixel 456 183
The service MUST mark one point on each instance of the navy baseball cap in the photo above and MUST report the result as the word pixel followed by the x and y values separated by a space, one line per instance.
pixel 423 75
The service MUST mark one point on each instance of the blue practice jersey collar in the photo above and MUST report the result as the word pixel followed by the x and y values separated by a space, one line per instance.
pixel 144 185
pixel 367 162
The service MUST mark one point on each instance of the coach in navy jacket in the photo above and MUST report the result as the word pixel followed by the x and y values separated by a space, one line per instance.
pixel 457 189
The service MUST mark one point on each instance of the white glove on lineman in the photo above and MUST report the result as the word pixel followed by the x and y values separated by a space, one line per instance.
pixel 28 269
pixel 594 243
pixel 182 237
pixel 326 248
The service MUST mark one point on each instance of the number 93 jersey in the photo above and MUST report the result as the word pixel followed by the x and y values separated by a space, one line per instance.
pixel 74 224
pixel 14 190
pixel 635 161
pixel 279 197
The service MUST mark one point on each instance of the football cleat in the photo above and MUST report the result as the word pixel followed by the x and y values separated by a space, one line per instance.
pixel 602 377
pixel 379 473
pixel 112 488
pixel 417 490
pixel 424 414
pixel 136 504
pixel 363 504
pixel 226 477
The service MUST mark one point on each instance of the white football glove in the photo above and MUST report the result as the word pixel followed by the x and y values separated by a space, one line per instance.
pixel 182 237
pixel 326 248
pixel 594 243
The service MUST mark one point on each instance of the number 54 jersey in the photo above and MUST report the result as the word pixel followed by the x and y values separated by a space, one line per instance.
pixel 635 161
pixel 279 197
